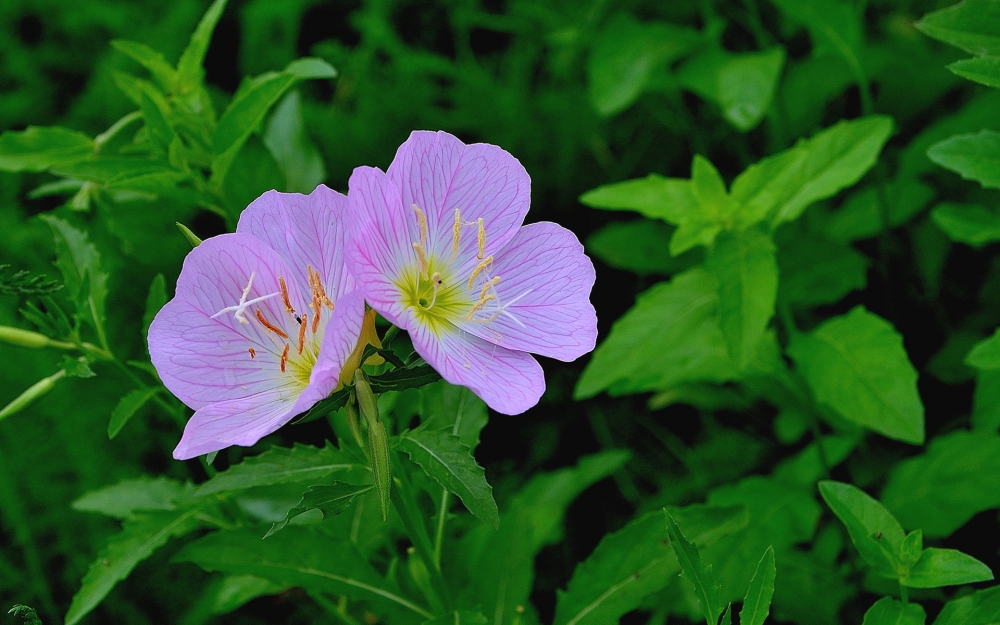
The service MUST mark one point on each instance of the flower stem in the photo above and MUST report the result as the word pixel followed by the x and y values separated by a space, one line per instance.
pixel 409 513
pixel 439 534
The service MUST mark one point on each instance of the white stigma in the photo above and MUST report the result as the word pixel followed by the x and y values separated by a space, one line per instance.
pixel 240 307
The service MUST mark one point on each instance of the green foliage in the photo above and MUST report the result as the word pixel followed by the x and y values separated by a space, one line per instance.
pixel 887 610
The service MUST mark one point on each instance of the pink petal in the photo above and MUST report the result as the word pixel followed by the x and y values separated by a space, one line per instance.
pixel 204 360
pixel 439 173
pixel 546 275
pixel 380 241
pixel 339 340
pixel 304 230
pixel 508 381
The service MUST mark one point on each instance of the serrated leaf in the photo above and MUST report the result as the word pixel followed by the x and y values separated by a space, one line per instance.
pixel 251 103
pixel 330 500
pixel 757 603
pixel 967 223
pixel 80 265
pixel 744 265
pixel 888 611
pixel 416 375
pixel 970 25
pixel 984 70
pixel 444 457
pixel 634 562
pixel 138 539
pixel 38 148
pixel 972 156
pixel 285 136
pixel 857 365
pixel 129 497
pixel 297 556
pixel 642 353
pixel 24 283
pixel 941 489
pixel 692 569
pixel 127 407
pixel 945 567
pixel 876 534
pixel 780 187
pixel 281 465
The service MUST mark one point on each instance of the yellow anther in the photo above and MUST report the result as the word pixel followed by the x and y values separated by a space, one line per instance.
pixel 482 238
pixel 482 302
pixel 422 221
pixel 316 285
pixel 456 233
pixel 489 285
pixel 425 266
pixel 483 264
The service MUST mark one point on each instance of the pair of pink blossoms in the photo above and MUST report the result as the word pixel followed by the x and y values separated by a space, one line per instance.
pixel 271 319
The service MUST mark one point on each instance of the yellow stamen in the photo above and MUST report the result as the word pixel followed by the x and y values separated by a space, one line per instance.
pixel 284 358
pixel 284 295
pixel 482 238
pixel 456 233
pixel 488 285
pixel 425 266
pixel 316 284
pixel 483 264
pixel 482 302
pixel 253 353
pixel 302 330
pixel 270 326
pixel 436 281
pixel 422 221
pixel 316 308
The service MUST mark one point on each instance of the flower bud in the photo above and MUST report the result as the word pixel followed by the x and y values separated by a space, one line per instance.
pixel 34 391
pixel 191 237
pixel 352 422
pixel 23 338
pixel 378 439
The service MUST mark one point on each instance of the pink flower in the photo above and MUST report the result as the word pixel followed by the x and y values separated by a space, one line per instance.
pixel 264 322
pixel 437 247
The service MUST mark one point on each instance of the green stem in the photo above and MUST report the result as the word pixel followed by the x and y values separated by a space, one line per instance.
pixel 409 513
pixel 439 534
pixel 904 594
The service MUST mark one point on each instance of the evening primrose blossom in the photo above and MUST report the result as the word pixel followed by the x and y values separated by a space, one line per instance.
pixel 437 247
pixel 265 322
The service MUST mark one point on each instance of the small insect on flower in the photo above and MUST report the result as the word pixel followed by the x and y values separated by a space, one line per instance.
pixel 264 324
pixel 437 246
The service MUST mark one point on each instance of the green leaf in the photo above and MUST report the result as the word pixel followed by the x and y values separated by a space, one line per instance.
pixel 155 112
pixel 816 271
pixel 876 534
pixel 444 457
pixel 641 246
pixel 656 197
pixel 862 215
pixel 986 402
pixel 80 265
pixel 298 556
pixel 76 367
pixel 857 365
pixel 745 267
pixel 624 55
pixel 127 407
pixel 970 25
pixel 458 617
pixel 984 70
pixel 330 500
pixel 743 85
pixel 888 611
pixel 296 155
pixel 39 148
pixel 162 72
pixel 415 375
pixel 945 567
pixel 138 539
pixel 251 103
pixel 234 591
pixel 281 465
pixel 155 300
pixel 757 603
pixel 967 223
pixel 633 562
pixel 941 489
pixel 834 27
pixel 974 156
pixel 980 608
pixel 642 353
pixel 189 70
pixel 985 355
pixel 456 408
pixel 129 497
pixel 23 282
pixel 780 187
pixel 696 572
pixel 115 169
